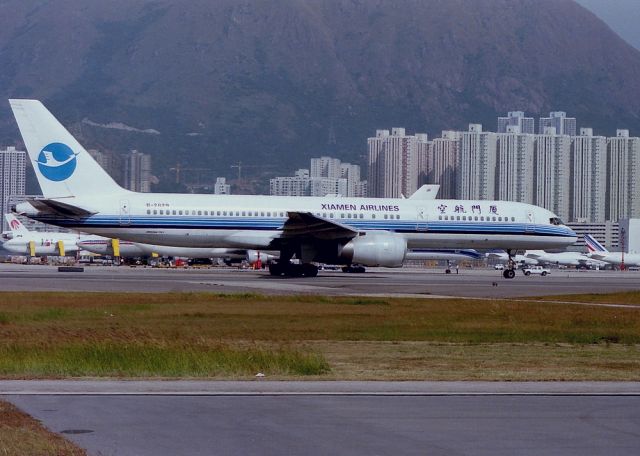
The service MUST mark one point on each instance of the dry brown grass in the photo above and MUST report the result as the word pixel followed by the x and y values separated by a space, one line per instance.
pixel 631 298
pixel 359 337
pixel 21 435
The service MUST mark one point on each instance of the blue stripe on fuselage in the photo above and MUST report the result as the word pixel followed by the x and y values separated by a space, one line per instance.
pixel 265 224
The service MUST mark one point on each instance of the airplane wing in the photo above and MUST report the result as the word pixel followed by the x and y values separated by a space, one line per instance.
pixel 307 225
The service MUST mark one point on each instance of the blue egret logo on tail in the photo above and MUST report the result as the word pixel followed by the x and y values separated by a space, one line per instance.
pixel 56 162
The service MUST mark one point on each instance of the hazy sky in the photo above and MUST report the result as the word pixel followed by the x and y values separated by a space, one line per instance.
pixel 623 16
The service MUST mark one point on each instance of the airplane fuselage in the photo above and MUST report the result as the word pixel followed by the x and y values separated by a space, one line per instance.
pixel 45 244
pixel 253 222
pixel 615 258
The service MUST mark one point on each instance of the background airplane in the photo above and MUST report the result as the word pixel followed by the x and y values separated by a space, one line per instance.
pixel 128 249
pixel 502 257
pixel 575 259
pixel 35 243
pixel 599 252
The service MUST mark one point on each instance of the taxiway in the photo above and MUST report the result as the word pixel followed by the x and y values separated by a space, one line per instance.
pixel 376 281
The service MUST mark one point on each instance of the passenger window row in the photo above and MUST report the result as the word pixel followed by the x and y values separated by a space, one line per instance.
pixel 256 214
pixel 215 213
pixel 475 218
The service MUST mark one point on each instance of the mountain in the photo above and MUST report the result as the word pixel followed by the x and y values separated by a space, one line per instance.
pixel 622 16
pixel 207 83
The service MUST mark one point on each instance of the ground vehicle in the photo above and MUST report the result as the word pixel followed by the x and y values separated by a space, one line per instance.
pixel 499 267
pixel 539 270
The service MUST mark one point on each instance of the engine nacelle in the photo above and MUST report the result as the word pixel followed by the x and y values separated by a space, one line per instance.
pixel 376 249
pixel 253 255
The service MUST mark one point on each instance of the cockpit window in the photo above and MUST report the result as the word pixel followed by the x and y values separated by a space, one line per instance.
pixel 556 221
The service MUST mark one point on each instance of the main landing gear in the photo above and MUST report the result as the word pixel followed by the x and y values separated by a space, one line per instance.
pixel 510 272
pixel 293 270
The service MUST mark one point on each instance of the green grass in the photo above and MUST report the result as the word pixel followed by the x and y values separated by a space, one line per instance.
pixel 238 335
pixel 147 360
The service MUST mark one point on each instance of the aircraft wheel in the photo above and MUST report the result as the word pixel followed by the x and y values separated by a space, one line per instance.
pixel 309 270
pixel 275 269
pixel 295 270
pixel 508 273
pixel 447 271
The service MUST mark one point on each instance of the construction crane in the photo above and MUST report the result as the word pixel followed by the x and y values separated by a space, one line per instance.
pixel 178 169
pixel 239 167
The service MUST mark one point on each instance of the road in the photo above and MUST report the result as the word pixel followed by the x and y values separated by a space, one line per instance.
pixel 376 281
pixel 354 418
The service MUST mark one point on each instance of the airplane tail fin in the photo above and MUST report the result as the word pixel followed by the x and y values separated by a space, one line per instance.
pixel 594 246
pixel 63 167
pixel 15 225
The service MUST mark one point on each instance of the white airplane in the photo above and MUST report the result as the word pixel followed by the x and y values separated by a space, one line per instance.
pixel 599 252
pixel 128 249
pixel 34 243
pixel 576 259
pixel 503 256
pixel 369 231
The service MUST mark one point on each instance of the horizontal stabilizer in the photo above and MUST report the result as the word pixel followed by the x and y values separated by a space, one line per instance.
pixel 58 208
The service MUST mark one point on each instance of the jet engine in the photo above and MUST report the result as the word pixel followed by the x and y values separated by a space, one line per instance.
pixel 253 255
pixel 375 249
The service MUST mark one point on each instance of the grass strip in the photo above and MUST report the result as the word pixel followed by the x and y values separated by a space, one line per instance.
pixel 104 359
pixel 22 435
pixel 236 336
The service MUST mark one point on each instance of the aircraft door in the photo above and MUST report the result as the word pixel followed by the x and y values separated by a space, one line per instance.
pixel 530 223
pixel 421 217
pixel 125 214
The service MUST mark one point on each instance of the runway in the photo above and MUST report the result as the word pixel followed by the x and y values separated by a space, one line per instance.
pixel 414 418
pixel 376 281
pixel 318 418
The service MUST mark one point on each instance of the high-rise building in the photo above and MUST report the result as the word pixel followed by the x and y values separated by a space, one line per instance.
pixel 351 173
pixel 325 167
pixel 375 148
pixel 296 185
pixel 110 162
pixel 588 177
pixel 393 163
pixel 12 177
pixel 477 164
pixel 323 186
pixel 345 180
pixel 423 157
pixel 221 187
pixel 137 171
pixel 443 164
pixel 516 118
pixel 558 119
pixel 623 174
pixel 514 173
pixel 551 172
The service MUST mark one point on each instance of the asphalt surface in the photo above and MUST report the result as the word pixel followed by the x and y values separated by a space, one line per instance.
pixel 319 418
pixel 314 424
pixel 376 281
